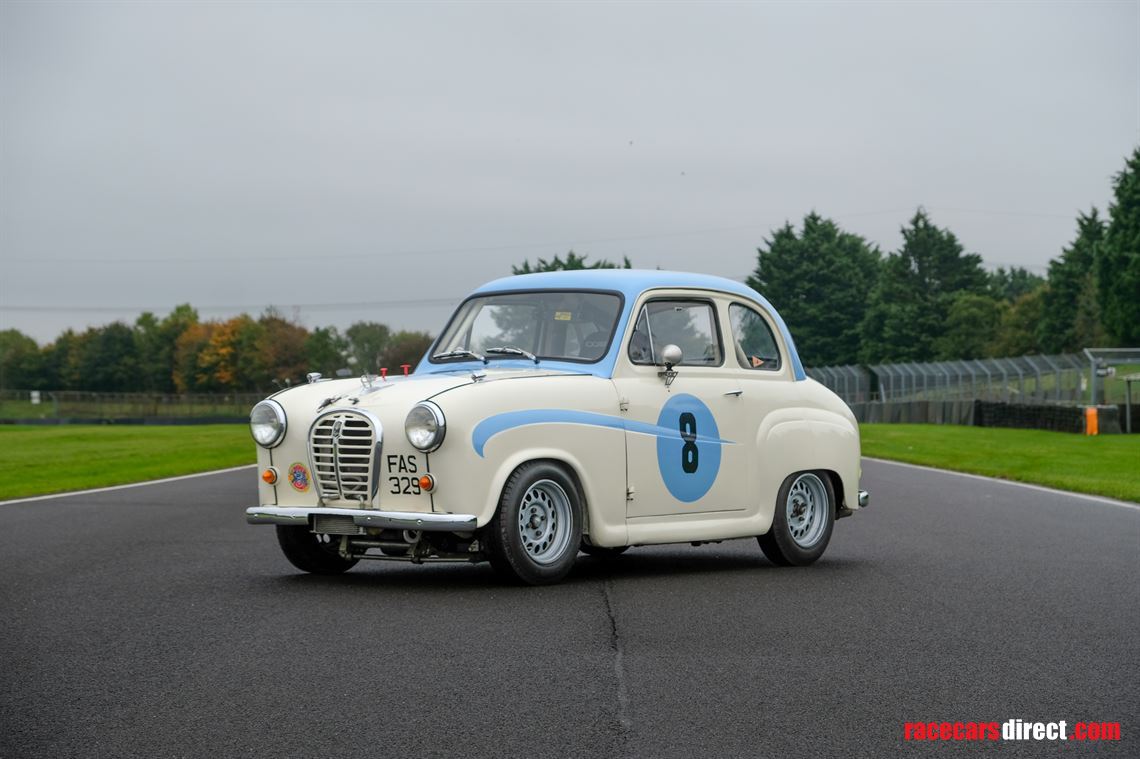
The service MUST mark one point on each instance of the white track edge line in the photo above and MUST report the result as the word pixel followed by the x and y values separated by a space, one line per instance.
pixel 128 485
pixel 1029 485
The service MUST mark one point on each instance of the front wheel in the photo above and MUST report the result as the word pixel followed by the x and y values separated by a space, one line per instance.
pixel 804 518
pixel 309 552
pixel 537 529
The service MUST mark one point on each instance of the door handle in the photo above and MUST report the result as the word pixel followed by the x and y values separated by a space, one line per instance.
pixel 736 393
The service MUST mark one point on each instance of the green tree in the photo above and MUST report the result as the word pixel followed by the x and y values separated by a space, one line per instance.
pixel 326 350
pixel 1017 335
pixel 573 262
pixel 1117 262
pixel 366 344
pixel 106 359
pixel 405 348
pixel 972 325
pixel 818 280
pixel 909 307
pixel 155 341
pixel 1010 284
pixel 1065 319
pixel 57 362
pixel 20 363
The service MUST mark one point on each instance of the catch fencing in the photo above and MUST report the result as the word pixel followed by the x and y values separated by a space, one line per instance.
pixel 1070 378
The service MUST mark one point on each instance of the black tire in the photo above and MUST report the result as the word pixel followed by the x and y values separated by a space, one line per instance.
pixel 780 543
pixel 601 552
pixel 306 552
pixel 546 554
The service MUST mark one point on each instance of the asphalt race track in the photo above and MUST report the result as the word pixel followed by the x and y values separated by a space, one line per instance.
pixel 154 622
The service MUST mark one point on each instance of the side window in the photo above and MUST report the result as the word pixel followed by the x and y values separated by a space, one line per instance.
pixel 755 346
pixel 688 324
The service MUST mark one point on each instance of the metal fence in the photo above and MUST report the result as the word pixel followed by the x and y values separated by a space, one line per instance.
pixel 42 405
pixel 1067 378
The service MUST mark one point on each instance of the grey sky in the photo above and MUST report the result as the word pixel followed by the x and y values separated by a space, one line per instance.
pixel 255 154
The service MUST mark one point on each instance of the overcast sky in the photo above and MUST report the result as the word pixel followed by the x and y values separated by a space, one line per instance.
pixel 240 155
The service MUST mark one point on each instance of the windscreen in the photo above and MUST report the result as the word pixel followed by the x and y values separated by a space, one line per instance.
pixel 561 326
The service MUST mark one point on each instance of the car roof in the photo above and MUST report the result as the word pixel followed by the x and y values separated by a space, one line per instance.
pixel 629 282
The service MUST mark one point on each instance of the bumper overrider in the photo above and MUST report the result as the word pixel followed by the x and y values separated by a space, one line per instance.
pixel 389 520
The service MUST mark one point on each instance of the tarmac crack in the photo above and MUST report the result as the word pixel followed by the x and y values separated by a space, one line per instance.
pixel 625 724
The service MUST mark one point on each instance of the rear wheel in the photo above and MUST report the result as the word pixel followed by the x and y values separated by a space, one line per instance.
pixel 805 515
pixel 310 552
pixel 535 533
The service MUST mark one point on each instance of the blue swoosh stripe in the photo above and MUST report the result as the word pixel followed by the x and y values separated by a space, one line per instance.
pixel 493 425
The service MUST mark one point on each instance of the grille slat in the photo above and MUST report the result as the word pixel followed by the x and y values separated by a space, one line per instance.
pixel 343 452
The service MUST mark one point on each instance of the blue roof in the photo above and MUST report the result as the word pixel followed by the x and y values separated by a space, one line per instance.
pixel 631 283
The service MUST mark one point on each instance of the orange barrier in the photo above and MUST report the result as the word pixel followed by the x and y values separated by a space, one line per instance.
pixel 1092 426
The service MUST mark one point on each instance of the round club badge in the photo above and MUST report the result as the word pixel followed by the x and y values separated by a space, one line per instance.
pixel 299 477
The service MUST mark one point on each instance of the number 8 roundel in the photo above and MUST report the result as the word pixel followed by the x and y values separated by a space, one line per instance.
pixel 688 447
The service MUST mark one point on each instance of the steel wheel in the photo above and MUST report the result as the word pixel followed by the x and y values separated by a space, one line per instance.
pixel 806 507
pixel 545 521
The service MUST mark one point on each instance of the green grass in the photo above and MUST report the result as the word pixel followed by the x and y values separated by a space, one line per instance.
pixel 1105 465
pixel 40 460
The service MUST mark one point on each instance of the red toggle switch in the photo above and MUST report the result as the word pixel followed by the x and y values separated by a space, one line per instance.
pixel 405 367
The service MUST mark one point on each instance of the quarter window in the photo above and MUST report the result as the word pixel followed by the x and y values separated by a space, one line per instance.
pixel 690 325
pixel 755 346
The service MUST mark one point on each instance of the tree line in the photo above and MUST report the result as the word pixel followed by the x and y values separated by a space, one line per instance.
pixel 844 301
pixel 180 353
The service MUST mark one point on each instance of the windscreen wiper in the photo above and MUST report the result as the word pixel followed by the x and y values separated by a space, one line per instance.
pixel 459 353
pixel 513 351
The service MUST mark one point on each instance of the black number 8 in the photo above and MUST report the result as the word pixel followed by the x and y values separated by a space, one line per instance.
pixel 690 459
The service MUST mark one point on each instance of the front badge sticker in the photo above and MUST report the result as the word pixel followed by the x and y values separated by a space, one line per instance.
pixel 299 477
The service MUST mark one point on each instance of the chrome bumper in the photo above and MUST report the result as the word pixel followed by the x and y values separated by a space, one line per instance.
pixel 864 499
pixel 390 520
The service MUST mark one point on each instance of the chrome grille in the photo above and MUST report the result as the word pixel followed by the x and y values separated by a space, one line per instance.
pixel 344 453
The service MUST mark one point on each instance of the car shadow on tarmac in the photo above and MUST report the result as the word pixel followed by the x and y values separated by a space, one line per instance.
pixel 635 566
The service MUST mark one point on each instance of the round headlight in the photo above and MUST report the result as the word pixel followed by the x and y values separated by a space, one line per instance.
pixel 267 423
pixel 425 426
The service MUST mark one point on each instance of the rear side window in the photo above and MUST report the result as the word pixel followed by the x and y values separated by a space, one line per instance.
pixel 754 343
pixel 690 325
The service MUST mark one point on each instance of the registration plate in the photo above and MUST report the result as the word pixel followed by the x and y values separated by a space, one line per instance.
pixel 403 475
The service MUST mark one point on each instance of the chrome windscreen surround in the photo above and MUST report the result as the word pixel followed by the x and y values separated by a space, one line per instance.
pixel 344 455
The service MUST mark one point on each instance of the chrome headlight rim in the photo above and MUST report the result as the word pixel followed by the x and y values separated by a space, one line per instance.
pixel 282 423
pixel 440 425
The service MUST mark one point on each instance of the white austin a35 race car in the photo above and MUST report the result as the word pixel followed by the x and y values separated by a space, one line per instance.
pixel 567 411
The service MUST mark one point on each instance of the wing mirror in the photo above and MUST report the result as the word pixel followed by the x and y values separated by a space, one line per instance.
pixel 670 356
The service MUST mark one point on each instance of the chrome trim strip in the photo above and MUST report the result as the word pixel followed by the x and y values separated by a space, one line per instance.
pixel 864 499
pixel 395 520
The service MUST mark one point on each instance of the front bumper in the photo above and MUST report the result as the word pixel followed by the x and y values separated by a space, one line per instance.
pixel 389 520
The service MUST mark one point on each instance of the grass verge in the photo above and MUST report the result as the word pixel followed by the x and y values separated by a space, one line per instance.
pixel 1103 465
pixel 42 460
